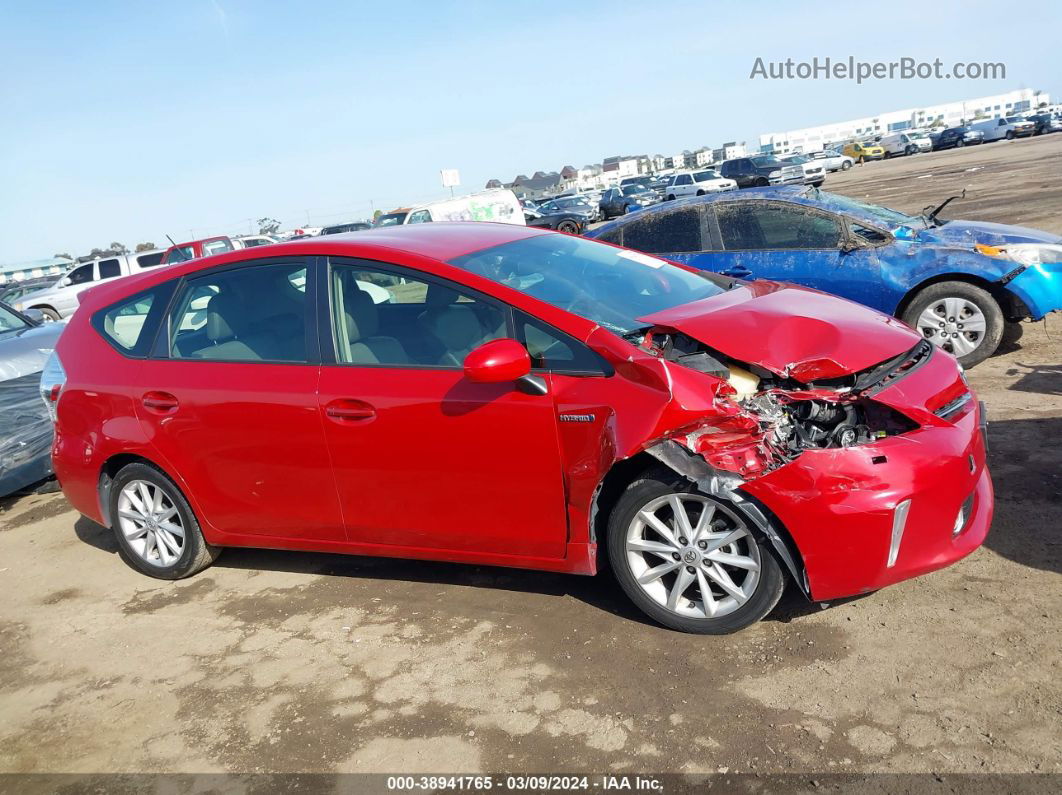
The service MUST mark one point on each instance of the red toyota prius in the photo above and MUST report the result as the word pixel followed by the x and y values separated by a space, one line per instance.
pixel 494 394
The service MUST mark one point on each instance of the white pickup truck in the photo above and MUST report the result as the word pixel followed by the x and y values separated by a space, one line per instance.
pixel 59 300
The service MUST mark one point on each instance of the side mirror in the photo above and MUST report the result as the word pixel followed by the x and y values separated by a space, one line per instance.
pixel 850 245
pixel 36 315
pixel 66 282
pixel 497 361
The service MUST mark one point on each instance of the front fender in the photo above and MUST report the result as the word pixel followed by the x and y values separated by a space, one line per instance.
pixel 1039 287
pixel 918 264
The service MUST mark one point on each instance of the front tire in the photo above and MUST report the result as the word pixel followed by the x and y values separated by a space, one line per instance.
pixel 691 562
pixel 959 144
pixel 671 197
pixel 50 315
pixel 762 182
pixel 568 227
pixel 1010 135
pixel 959 317
pixel 845 165
pixel 156 529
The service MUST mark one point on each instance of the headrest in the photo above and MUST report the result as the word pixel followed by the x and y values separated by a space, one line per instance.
pixel 222 309
pixel 437 295
pixel 457 327
pixel 363 318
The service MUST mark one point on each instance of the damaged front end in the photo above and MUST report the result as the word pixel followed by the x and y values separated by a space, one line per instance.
pixel 766 419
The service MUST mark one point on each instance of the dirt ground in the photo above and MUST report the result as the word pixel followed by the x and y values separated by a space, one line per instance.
pixel 275 661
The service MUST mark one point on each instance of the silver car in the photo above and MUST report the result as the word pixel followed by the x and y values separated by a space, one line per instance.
pixel 25 427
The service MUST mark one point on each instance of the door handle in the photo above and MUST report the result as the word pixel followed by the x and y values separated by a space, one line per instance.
pixel 344 410
pixel 160 402
pixel 738 271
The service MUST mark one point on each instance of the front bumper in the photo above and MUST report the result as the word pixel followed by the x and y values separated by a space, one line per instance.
pixel 841 506
pixel 1039 287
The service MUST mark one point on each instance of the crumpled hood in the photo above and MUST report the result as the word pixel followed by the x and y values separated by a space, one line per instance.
pixel 964 234
pixel 25 352
pixel 791 331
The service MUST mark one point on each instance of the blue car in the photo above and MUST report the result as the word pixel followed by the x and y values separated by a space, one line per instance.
pixel 958 282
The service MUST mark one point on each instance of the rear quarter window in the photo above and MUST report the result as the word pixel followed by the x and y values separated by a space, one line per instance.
pixel 130 324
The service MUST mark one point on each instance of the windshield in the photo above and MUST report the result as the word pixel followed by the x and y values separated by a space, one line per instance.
pixel 797 159
pixel 630 190
pixel 766 161
pixel 704 176
pixel 9 321
pixel 892 218
pixel 391 219
pixel 610 286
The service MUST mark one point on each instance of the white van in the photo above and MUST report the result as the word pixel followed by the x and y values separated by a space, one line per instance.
pixel 903 143
pixel 500 206
pixel 1000 128
pixel 60 299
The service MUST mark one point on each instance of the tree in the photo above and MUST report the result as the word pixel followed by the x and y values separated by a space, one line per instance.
pixel 268 226
pixel 145 247
pixel 118 248
pixel 99 252
pixel 377 214
pixel 979 114
pixel 62 256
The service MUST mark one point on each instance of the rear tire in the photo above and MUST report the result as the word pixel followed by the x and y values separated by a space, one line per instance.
pixel 959 144
pixel 845 165
pixel 761 182
pixel 50 315
pixel 739 594
pixel 1010 135
pixel 169 548
pixel 700 193
pixel 671 197
pixel 923 314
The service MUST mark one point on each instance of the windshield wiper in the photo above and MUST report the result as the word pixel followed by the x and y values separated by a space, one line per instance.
pixel 636 335
pixel 931 219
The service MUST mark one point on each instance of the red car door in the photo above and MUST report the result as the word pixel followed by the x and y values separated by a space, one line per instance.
pixel 230 401
pixel 423 458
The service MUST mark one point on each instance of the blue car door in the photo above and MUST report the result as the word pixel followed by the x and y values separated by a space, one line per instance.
pixel 789 242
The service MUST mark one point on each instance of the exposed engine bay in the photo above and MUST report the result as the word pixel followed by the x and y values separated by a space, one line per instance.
pixel 772 419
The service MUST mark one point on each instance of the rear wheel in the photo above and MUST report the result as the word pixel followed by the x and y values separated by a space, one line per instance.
pixel 845 165
pixel 671 197
pixel 700 193
pixel 689 561
pixel 959 317
pixel 155 526
pixel 761 182
pixel 50 315
pixel 1010 135
pixel 960 143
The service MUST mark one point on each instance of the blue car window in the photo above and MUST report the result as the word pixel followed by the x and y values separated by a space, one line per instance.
pixel 749 225
pixel 666 232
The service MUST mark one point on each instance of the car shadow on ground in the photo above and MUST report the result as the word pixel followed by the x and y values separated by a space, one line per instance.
pixel 1025 459
pixel 1041 379
pixel 601 592
pixel 1026 472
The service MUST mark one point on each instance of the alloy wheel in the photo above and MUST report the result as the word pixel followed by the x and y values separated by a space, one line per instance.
pixel 693 555
pixel 955 324
pixel 151 523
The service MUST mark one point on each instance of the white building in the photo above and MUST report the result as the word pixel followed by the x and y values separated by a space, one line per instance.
pixel 702 157
pixel 729 151
pixel 813 139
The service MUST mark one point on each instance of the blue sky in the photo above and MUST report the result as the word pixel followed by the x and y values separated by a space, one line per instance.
pixel 128 121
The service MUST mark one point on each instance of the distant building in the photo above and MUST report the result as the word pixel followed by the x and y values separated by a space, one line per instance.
pixel 494 184
pixel 729 151
pixel 813 139
pixel 33 269
pixel 702 157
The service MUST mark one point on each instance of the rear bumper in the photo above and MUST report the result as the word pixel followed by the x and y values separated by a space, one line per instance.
pixel 869 516
pixel 1039 287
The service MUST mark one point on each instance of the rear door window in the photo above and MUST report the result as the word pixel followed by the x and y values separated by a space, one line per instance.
pixel 660 233
pixel 246 314
pixel 109 268
pixel 149 260
pixel 216 247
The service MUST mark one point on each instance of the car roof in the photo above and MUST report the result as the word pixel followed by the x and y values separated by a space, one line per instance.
pixel 796 194
pixel 438 241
